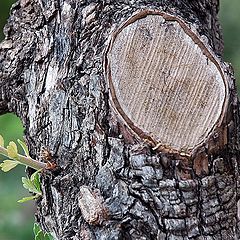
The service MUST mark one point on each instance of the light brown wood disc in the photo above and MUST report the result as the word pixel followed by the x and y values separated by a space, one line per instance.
pixel 164 82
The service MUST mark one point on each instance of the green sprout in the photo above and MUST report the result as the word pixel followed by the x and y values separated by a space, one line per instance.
pixel 33 185
pixel 14 158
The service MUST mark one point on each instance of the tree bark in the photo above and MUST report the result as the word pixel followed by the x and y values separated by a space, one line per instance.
pixel 110 184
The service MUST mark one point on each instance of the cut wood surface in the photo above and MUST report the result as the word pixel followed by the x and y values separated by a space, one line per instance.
pixel 109 183
pixel 164 83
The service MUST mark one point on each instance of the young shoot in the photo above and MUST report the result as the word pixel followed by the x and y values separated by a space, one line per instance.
pixel 14 158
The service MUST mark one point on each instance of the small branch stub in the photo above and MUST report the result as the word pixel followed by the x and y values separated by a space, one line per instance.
pixel 165 83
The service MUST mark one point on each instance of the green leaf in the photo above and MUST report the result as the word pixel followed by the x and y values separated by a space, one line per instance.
pixel 34 175
pixel 24 147
pixel 40 235
pixel 48 236
pixel 29 185
pixel 35 179
pixel 26 199
pixel 36 229
pixel 12 150
pixel 33 185
pixel 1 141
pixel 7 165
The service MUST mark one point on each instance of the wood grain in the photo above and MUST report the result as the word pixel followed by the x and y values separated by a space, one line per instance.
pixel 164 82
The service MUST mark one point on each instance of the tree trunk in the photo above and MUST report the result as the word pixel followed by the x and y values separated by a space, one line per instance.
pixel 115 179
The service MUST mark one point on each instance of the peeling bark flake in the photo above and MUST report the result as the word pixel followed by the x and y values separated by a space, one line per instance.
pixel 91 206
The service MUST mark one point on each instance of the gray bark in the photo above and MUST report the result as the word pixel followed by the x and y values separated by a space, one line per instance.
pixel 109 184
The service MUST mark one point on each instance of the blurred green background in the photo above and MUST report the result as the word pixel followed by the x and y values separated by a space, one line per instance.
pixel 16 220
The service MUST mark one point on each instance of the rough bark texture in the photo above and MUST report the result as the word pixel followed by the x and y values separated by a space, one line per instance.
pixel 110 185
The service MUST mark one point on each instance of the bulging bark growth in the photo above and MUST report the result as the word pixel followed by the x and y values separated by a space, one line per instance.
pixel 111 184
